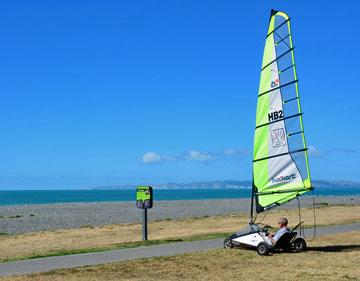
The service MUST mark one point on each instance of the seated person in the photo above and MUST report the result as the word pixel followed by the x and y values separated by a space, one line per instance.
pixel 272 238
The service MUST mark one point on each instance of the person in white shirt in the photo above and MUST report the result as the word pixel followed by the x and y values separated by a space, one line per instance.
pixel 273 238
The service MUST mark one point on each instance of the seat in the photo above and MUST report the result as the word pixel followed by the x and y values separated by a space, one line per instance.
pixel 285 240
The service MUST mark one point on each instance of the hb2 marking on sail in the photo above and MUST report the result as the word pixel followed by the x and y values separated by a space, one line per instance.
pixel 275 115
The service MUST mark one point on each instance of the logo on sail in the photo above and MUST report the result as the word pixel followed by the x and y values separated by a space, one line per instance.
pixel 278 137
pixel 283 178
pixel 275 83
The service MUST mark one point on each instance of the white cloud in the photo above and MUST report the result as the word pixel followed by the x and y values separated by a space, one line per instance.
pixel 346 151
pixel 194 155
pixel 169 158
pixel 154 158
pixel 151 158
pixel 230 154
pixel 233 153
pixel 313 151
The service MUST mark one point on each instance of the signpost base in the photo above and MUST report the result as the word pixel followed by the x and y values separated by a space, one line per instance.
pixel 144 225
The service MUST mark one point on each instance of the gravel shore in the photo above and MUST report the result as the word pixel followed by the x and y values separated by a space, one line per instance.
pixel 31 218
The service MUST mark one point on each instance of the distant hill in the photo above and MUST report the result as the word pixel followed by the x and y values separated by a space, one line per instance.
pixel 246 184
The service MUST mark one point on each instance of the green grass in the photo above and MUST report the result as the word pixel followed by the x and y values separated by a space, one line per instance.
pixel 134 244
pixel 120 246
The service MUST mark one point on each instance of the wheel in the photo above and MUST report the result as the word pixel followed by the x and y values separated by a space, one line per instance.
pixel 263 249
pixel 300 245
pixel 228 244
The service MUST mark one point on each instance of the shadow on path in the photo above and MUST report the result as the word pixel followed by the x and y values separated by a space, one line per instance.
pixel 335 248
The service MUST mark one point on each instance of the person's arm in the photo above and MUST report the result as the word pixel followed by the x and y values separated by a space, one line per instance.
pixel 275 237
pixel 271 238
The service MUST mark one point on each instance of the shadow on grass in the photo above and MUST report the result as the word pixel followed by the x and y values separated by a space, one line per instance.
pixel 335 248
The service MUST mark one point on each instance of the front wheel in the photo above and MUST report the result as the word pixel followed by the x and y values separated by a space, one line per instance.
pixel 228 243
pixel 300 245
pixel 263 249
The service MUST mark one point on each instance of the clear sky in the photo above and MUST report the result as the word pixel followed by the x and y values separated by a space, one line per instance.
pixel 114 92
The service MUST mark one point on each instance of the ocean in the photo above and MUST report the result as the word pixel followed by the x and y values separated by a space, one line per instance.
pixel 24 197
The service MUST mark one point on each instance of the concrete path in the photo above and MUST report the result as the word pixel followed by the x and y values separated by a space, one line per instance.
pixel 71 261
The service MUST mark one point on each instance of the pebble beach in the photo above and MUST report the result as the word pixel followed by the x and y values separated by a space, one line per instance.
pixel 32 218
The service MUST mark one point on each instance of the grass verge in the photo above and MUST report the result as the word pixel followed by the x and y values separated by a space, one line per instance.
pixel 92 239
pixel 333 257
pixel 122 246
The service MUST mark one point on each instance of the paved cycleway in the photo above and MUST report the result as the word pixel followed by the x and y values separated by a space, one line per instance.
pixel 72 261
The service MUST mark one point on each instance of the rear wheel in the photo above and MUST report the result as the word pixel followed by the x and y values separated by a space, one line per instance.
pixel 263 249
pixel 300 245
pixel 228 244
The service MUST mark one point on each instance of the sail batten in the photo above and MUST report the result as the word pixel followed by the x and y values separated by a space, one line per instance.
pixel 279 191
pixel 280 160
pixel 289 100
pixel 274 89
pixel 279 155
pixel 280 25
pixel 289 67
pixel 279 120
pixel 279 57
pixel 282 39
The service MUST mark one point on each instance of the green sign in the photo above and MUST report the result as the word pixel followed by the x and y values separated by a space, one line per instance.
pixel 144 197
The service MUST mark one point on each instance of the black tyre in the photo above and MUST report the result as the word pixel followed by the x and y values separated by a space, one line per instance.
pixel 300 245
pixel 263 249
pixel 228 244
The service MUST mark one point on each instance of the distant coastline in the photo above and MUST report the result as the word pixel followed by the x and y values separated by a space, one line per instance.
pixel 226 184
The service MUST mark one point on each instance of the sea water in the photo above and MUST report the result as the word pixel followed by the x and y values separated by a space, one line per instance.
pixel 22 197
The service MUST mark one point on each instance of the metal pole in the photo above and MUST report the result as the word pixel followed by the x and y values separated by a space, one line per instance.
pixel 252 208
pixel 299 216
pixel 252 203
pixel 144 224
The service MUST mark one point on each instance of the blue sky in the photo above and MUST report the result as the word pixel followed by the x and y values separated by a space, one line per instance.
pixel 95 92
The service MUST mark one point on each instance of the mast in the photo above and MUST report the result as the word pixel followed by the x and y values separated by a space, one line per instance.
pixel 272 13
pixel 252 203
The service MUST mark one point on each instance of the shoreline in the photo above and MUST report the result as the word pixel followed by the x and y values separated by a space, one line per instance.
pixel 45 197
pixel 5 206
pixel 16 219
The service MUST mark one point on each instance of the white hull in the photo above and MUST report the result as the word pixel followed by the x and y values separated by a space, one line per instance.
pixel 252 239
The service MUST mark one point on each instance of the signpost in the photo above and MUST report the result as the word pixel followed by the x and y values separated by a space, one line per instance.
pixel 144 201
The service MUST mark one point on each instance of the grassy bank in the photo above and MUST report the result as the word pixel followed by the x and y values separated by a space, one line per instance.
pixel 333 257
pixel 89 239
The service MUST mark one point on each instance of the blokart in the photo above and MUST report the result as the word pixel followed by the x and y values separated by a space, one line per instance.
pixel 254 237
pixel 281 171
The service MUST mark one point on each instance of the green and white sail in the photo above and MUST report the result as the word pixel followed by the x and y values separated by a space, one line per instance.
pixel 280 161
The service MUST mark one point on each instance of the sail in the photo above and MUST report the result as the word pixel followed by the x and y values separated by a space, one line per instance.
pixel 280 160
